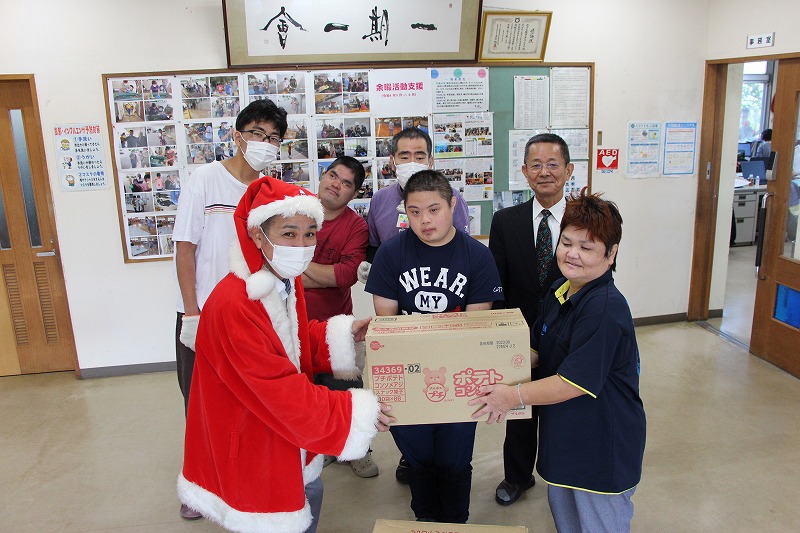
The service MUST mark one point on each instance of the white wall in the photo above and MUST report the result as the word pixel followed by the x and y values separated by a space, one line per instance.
pixel 733 20
pixel 649 61
pixel 121 313
pixel 649 65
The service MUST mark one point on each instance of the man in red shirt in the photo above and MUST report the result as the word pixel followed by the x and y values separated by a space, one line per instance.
pixel 341 247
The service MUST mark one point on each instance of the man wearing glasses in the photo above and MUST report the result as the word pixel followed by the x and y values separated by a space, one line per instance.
pixel 204 227
pixel 523 239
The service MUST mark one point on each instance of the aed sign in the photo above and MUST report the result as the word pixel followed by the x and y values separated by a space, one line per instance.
pixel 608 159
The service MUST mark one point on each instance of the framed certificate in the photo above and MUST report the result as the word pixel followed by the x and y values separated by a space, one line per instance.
pixel 514 35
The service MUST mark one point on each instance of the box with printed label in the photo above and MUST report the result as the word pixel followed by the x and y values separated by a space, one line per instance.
pixel 403 526
pixel 429 366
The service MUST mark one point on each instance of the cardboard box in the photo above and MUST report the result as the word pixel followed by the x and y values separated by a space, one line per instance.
pixel 429 366
pixel 403 526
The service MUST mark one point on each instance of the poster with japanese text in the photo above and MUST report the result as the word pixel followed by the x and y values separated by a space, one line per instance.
pixel 463 135
pixel 531 102
pixel 569 97
pixel 474 219
pixel 405 91
pixel 644 149
pixel 680 148
pixel 460 89
pixel 79 156
pixel 478 178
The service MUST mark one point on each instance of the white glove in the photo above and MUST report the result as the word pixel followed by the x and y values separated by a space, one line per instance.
pixel 189 330
pixel 363 271
pixel 401 207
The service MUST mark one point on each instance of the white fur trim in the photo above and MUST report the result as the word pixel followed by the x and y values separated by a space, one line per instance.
pixel 313 469
pixel 362 425
pixel 341 347
pixel 283 316
pixel 189 330
pixel 302 204
pixel 237 261
pixel 215 509
pixel 260 284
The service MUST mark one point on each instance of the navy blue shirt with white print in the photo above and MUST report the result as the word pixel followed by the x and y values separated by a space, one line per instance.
pixel 434 279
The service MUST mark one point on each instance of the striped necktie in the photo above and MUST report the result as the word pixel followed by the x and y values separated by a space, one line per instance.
pixel 544 247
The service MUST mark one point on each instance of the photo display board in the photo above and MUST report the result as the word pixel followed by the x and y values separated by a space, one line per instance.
pixel 164 126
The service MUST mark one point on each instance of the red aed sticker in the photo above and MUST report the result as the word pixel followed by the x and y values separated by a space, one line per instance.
pixel 608 159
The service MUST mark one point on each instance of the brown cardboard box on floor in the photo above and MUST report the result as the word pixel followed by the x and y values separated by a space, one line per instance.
pixel 429 366
pixel 403 526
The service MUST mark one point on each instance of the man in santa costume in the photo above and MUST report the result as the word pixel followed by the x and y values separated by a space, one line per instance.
pixel 258 428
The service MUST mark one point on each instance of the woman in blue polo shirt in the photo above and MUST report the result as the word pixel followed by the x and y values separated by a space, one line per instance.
pixel 592 422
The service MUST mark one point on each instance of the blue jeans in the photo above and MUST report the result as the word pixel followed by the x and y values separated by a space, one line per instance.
pixel 440 468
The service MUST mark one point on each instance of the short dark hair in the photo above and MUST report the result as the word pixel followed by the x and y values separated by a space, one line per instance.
pixel 766 135
pixel 263 111
pixel 600 218
pixel 410 133
pixel 551 138
pixel 352 164
pixel 428 180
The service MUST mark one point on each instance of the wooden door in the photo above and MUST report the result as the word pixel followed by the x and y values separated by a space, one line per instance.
pixel 776 321
pixel 35 327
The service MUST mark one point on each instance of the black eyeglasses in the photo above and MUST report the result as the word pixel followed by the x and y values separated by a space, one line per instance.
pixel 264 137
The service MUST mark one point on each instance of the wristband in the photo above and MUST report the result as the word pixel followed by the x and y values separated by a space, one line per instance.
pixel 519 395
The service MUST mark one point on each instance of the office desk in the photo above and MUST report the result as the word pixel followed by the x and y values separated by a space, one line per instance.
pixel 746 205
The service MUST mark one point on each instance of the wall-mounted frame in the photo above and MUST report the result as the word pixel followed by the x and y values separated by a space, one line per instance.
pixel 298 32
pixel 514 35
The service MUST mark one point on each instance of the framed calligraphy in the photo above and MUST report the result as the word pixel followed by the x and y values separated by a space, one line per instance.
pixel 325 32
pixel 514 35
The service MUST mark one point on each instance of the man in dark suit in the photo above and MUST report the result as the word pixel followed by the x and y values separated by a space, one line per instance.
pixel 522 239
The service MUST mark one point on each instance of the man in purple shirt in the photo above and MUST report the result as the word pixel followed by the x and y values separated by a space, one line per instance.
pixel 410 151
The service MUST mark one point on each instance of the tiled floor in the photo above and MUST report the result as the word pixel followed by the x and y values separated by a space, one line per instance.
pixel 723 452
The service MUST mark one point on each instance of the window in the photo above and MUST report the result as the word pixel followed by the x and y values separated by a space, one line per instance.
pixel 756 94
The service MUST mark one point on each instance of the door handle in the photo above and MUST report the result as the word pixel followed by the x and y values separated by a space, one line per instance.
pixel 46 254
pixel 760 227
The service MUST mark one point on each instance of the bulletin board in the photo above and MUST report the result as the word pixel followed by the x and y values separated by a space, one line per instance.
pixel 578 137
pixel 162 126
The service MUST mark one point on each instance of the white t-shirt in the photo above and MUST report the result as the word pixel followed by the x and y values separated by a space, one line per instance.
pixel 205 218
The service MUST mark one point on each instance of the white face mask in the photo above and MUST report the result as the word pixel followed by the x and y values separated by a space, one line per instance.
pixel 260 154
pixel 289 261
pixel 406 170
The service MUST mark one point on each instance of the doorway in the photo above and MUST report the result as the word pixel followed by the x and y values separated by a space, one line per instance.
pixel 768 337
pixel 35 326
pixel 733 283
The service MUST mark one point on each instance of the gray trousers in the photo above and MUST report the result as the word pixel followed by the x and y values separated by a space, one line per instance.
pixel 577 511
pixel 314 496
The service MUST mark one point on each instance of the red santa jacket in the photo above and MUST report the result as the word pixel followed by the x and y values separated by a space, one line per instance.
pixel 256 422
